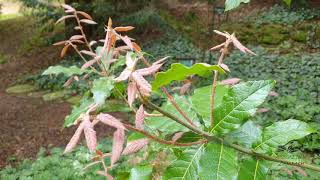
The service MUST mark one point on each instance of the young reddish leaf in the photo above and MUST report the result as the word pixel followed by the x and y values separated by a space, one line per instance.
pixel 84 14
pixel 140 117
pixel 136 47
pixel 87 21
pixel 149 70
pixel 88 53
pixel 90 135
pixel 68 82
pixel 109 23
pixel 225 67
pixel 300 170
pixel 185 87
pixel 110 121
pixel 143 84
pixel 90 63
pixel 217 47
pixel 124 29
pixel 241 47
pixel 67 7
pixel 92 43
pixel 132 92
pixel 135 146
pixel 69 11
pixel 77 41
pixel 64 17
pixel 273 93
pixel 177 136
pixel 262 110
pixel 60 43
pixel 221 33
pixel 230 81
pixel 76 37
pixel 106 174
pixel 129 61
pixel 99 153
pixel 75 139
pixel 117 145
pixel 128 42
pixel 161 61
pixel 123 76
pixel 64 50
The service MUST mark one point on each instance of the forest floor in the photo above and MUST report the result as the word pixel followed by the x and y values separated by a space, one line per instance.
pixel 26 123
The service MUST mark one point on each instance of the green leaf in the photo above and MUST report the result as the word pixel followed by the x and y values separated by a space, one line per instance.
pixel 253 169
pixel 201 100
pixel 185 167
pixel 167 125
pixel 218 162
pixel 208 161
pixel 141 173
pixel 101 89
pixel 179 72
pixel 248 134
pixel 77 111
pixel 67 71
pixel 288 2
pixel 231 4
pixel 239 104
pixel 280 133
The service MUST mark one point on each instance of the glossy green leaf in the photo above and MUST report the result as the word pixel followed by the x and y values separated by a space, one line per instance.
pixel 218 162
pixel 231 4
pixel 248 134
pixel 141 173
pixel 239 104
pixel 77 111
pixel 253 169
pixel 185 167
pixel 101 89
pixel 201 100
pixel 179 72
pixel 67 71
pixel 280 133
pixel 167 125
pixel 208 161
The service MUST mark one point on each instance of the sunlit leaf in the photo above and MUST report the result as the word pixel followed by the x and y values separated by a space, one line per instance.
pixel 280 133
pixel 179 72
pixel 231 4
pixel 77 111
pixel 239 104
pixel 67 71
pixel 141 173
pixel 101 89
pixel 201 100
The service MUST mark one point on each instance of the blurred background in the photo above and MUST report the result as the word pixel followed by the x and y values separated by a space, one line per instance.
pixel 285 37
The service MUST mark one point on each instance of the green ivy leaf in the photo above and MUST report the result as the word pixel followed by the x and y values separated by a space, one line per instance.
pixel 239 104
pixel 201 100
pixel 179 72
pixel 141 173
pixel 218 162
pixel 253 169
pixel 231 4
pixel 67 71
pixel 167 125
pixel 280 133
pixel 248 134
pixel 77 111
pixel 101 89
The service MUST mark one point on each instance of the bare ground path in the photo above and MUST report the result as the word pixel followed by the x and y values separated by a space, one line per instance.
pixel 26 124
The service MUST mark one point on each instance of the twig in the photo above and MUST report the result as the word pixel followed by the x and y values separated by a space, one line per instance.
pixel 81 30
pixel 215 80
pixel 170 98
pixel 155 138
pixel 212 138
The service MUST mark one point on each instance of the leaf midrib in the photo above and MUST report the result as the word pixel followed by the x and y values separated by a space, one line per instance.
pixel 222 120
pixel 195 154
